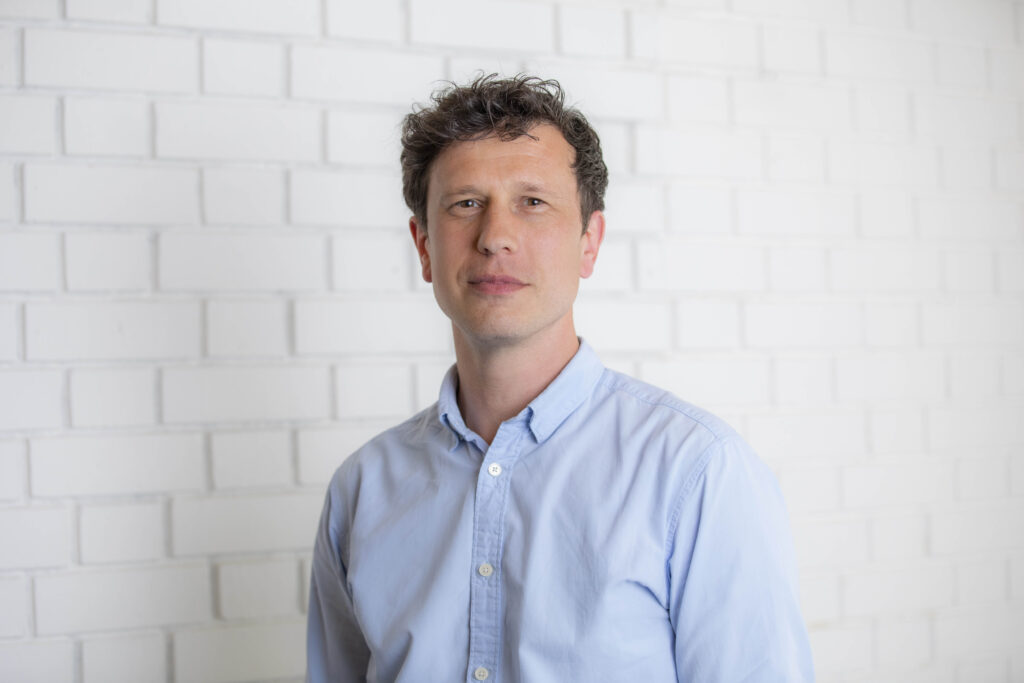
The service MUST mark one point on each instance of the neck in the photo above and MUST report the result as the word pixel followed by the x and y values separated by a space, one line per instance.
pixel 497 381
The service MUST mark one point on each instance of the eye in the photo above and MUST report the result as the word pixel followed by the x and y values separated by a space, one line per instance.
pixel 466 204
pixel 533 201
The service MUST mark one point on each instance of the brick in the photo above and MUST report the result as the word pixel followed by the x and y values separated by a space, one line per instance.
pixel 127 11
pixel 966 323
pixel 634 206
pixel 879 13
pixel 592 31
pixel 822 436
pixel 215 394
pixel 682 266
pixel 10 335
pixel 877 57
pixel 1017 576
pixel 37 661
pixel 803 213
pixel 965 120
pixel 237 67
pixel 704 100
pixel 111 330
pixel 241 653
pixel 113 465
pixel 31 399
pixel 903 590
pixel 1006 70
pixel 237 262
pixel 877 164
pixel 526 26
pixel 810 489
pixel 372 261
pixel 111 194
pixel 972 429
pixel 882 114
pixel 795 158
pixel 251 459
pixel 608 93
pixel 819 599
pixel 616 146
pixel 243 196
pixel 985 526
pixel 670 36
pixel 982 479
pixel 321 451
pixel 961 65
pixel 30 9
pixel 383 20
pixel 27 124
pixel 1010 269
pixel 368 199
pixel 980 582
pixel 841 648
pixel 970 633
pixel 373 390
pixel 244 524
pixel 896 430
pixel 122 533
pixel 897 483
pixel 35 537
pixel 361 75
pixel 249 590
pixel 14 595
pixel 118 397
pixel 12 471
pixel 967 219
pixel 110 61
pixel 834 543
pixel 791 49
pixel 362 138
pixel 892 324
pixel 106 127
pixel 708 152
pixel 118 599
pixel 782 105
pixel 991 668
pixel 886 213
pixel 29 262
pixel 247 328
pixel 108 261
pixel 897 538
pixel 803 325
pixel 891 376
pixel 10 57
pixel 700 209
pixel 804 380
pixel 711 381
pixel 620 325
pixel 1009 169
pixel 826 11
pixel 614 271
pixel 794 269
pixel 132 658
pixel 1012 374
pixel 987 21
pixel 237 131
pixel 429 376
pixel 903 643
pixel 974 375
pixel 300 17
pixel 967 168
pixel 345 327
pixel 711 324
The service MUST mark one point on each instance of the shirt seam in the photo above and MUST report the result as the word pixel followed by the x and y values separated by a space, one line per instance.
pixel 687 488
pixel 614 386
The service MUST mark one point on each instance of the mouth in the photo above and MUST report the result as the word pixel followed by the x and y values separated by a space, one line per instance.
pixel 496 284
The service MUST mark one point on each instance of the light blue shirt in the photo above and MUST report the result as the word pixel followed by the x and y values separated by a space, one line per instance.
pixel 610 532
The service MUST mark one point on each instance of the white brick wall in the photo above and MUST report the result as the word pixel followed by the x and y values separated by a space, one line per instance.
pixel 208 298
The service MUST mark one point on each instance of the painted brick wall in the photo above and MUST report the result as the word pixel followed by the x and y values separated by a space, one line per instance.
pixel 208 298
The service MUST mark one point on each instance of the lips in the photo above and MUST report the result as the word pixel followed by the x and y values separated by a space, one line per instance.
pixel 496 284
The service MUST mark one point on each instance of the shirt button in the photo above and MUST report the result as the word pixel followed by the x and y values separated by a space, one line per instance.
pixel 494 469
pixel 481 673
pixel 485 570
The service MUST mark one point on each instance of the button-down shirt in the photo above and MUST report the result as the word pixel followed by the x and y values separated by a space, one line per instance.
pixel 609 532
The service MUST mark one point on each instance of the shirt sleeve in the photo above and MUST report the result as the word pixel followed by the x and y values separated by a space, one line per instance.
pixel 734 600
pixel 335 648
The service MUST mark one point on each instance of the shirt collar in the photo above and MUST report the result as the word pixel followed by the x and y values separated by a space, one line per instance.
pixel 545 413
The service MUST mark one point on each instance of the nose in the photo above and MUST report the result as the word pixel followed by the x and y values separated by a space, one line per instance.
pixel 498 231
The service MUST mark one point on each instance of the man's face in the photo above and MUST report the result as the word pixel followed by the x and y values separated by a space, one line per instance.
pixel 503 245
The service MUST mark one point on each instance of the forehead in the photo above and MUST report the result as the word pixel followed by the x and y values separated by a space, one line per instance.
pixel 544 154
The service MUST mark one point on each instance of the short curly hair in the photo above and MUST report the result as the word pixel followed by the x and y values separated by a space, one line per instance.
pixel 505 107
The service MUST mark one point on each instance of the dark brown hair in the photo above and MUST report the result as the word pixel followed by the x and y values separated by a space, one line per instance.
pixel 508 108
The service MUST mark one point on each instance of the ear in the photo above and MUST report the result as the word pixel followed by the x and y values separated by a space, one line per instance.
pixel 419 237
pixel 590 243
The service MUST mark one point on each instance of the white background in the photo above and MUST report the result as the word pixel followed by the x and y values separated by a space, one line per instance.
pixel 208 298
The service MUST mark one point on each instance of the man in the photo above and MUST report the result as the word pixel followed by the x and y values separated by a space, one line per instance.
pixel 547 519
